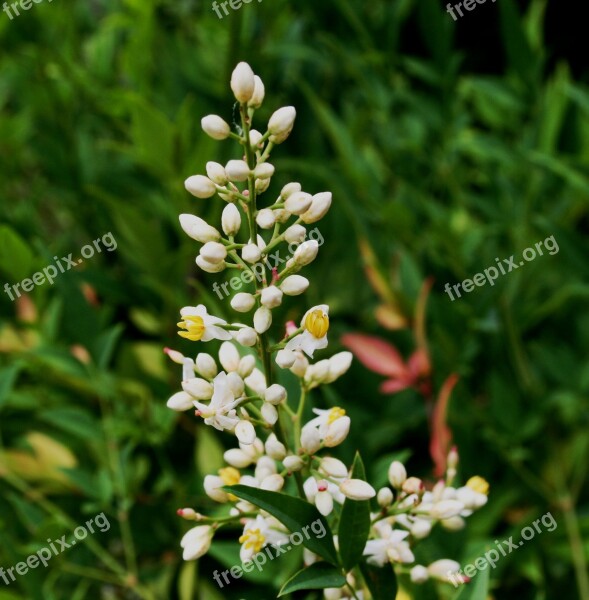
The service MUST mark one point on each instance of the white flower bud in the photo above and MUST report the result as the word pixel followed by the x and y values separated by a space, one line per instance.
pixel 413 485
pixel 213 252
pixel 206 365
pixel 215 127
pixel 338 365
pixel 262 185
pixel 281 215
pixel 275 394
pixel 356 489
pixel 216 173
pixel 294 285
pixel 180 401
pixel 259 92
pixel 237 458
pixel 295 234
pixel 324 503
pixel 446 509
pixel 200 186
pixel 235 384
pixel 229 357
pixel 265 218
pixel 246 366
pixel 317 372
pixel 305 253
pixel 269 413
pixel 285 359
pixel 397 474
pixel 281 124
pixel 196 542
pixel 419 574
pixel 256 382
pixel 209 267
pixel 274 448
pixel 453 523
pixel 237 170
pixel 198 388
pixel 333 467
pixel 298 203
pixel 243 82
pixel 384 497
pixel 245 432
pixel 251 253
pixel 273 483
pixel 198 229
pixel 262 319
pixel 421 529
pixel 301 364
pixel 440 568
pixel 264 171
pixel 176 356
pixel 255 138
pixel 337 432
pixel 247 337
pixel 243 302
pixel 293 463
pixel 271 297
pixel 212 485
pixel 289 189
pixel 231 219
pixel 310 440
pixel 319 206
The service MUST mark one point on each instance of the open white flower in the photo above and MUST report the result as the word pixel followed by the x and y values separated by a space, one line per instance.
pixel 259 532
pixel 333 425
pixel 323 493
pixel 389 546
pixel 198 325
pixel 314 337
pixel 220 413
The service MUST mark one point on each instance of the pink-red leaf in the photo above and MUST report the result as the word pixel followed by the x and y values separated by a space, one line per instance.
pixel 441 436
pixel 376 354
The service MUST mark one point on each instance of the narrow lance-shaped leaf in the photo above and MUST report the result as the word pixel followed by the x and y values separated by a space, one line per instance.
pixel 354 525
pixel 381 581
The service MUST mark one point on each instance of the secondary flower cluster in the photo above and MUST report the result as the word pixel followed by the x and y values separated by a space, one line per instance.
pixel 235 391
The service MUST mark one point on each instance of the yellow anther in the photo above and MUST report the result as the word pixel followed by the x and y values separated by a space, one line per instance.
pixel 317 323
pixel 252 539
pixel 478 484
pixel 194 326
pixel 335 414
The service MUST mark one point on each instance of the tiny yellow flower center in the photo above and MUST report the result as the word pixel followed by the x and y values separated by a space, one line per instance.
pixel 317 323
pixel 229 475
pixel 252 539
pixel 478 484
pixel 194 326
pixel 334 414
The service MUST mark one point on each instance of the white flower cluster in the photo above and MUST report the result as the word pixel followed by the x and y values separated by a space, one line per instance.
pixel 236 392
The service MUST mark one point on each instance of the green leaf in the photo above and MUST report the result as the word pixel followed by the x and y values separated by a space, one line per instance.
pixel 354 525
pixel 295 514
pixel 477 589
pixel 318 576
pixel 16 258
pixel 8 377
pixel 381 581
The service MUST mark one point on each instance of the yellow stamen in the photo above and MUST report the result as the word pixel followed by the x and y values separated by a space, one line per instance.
pixel 195 328
pixel 229 475
pixel 478 484
pixel 317 323
pixel 252 539
pixel 334 414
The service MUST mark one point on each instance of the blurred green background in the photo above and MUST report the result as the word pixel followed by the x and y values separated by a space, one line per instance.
pixel 446 144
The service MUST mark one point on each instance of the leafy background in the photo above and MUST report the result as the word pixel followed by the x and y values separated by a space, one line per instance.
pixel 445 144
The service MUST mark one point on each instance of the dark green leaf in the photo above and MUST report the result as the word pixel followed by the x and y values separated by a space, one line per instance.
pixel 354 525
pixel 381 581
